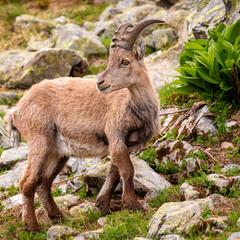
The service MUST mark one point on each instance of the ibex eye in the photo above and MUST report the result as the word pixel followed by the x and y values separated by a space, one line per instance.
pixel 125 62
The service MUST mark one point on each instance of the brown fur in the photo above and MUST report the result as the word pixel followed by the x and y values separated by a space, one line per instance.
pixel 70 117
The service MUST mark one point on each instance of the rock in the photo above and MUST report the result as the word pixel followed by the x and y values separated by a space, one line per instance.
pixel 64 188
pixel 216 224
pixel 23 69
pixel 230 168
pixel 220 182
pixel 89 235
pixel 208 14
pixel 10 156
pixel 173 150
pixel 145 179
pixel 108 13
pixel 226 145
pixel 2 196
pixel 30 22
pixel 4 136
pixel 231 125
pixel 61 20
pixel 83 208
pixel 161 65
pixel 67 201
pixel 140 238
pixel 188 193
pixel 102 221
pixel 166 3
pixel 238 223
pixel 236 181
pixel 148 197
pixel 38 45
pixel 175 217
pixel 234 236
pixel 3 109
pixel 60 232
pixel 77 166
pixel 172 237
pixel 12 201
pixel 161 38
pixel 72 36
pixel 205 126
pixel 123 4
pixel 12 177
pixel 6 97
pixel 192 164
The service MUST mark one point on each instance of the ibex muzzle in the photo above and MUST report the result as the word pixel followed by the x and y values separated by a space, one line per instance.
pixel 69 117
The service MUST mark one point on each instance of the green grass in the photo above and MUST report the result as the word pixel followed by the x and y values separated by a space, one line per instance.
pixel 126 225
pixel 149 156
pixel 95 70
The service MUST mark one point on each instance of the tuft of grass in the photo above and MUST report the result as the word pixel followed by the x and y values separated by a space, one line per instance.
pixel 82 193
pixel 57 192
pixel 168 168
pixel 126 225
pixel 149 156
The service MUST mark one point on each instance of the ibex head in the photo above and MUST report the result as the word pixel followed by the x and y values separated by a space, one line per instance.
pixel 125 64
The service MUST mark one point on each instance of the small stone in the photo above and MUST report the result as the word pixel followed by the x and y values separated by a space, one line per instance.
pixel 230 168
pixel 38 45
pixel 231 125
pixel 192 164
pixel 83 208
pixel 187 192
pixel 61 20
pixel 172 237
pixel 13 201
pixel 68 201
pixel 220 181
pixel 60 232
pixel 226 145
pixel 102 221
pixel 89 235
pixel 216 224
pixel 234 236
pixel 236 182
pixel 139 238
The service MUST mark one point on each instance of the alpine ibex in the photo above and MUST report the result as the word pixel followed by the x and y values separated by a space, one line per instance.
pixel 72 117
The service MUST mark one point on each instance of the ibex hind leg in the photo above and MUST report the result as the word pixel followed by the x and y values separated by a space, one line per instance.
pixel 53 167
pixel 37 158
pixel 104 197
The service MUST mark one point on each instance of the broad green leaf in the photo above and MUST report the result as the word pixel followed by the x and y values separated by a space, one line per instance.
pixel 194 81
pixel 189 70
pixel 202 60
pixel 177 82
pixel 236 43
pixel 191 64
pixel 221 57
pixel 214 70
pixel 189 53
pixel 206 77
pixel 237 58
pixel 227 74
pixel 231 32
pixel 226 86
pixel 187 89
pixel 229 63
pixel 194 45
pixel 202 42
pixel 220 27
pixel 215 35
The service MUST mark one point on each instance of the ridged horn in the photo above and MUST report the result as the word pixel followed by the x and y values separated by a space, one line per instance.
pixel 126 38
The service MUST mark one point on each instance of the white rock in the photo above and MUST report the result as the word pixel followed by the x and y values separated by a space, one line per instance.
pixel 89 235
pixel 172 237
pixel 188 193
pixel 231 125
pixel 83 208
pixel 67 201
pixel 13 201
pixel 60 232
pixel 220 181
pixel 230 168
pixel 192 164
pixel 225 145
pixel 234 236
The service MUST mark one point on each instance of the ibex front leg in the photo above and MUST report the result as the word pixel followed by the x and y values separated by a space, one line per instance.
pixel 120 157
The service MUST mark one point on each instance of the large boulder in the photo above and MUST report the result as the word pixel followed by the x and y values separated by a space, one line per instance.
pixel 175 217
pixel 21 69
pixel 72 36
pixel 208 14
pixel 145 179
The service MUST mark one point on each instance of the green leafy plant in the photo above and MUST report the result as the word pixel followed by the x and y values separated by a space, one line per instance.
pixel 168 168
pixel 211 67
pixel 149 156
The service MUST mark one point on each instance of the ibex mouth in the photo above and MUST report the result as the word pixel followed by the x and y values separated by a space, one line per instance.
pixel 102 89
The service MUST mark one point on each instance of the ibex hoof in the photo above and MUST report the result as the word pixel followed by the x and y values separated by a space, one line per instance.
pixel 105 208
pixel 134 205
pixel 34 228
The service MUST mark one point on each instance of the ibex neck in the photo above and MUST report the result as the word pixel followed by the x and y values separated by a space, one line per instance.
pixel 143 90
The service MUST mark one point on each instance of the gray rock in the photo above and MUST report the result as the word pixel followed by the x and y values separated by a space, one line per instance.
pixel 205 126
pixel 102 221
pixel 230 167
pixel 64 188
pixel 12 177
pixel 123 4
pixel 161 38
pixel 216 224
pixel 23 69
pixel 38 45
pixel 4 137
pixel 140 238
pixel 145 179
pixel 188 193
pixel 83 208
pixel 161 65
pixel 89 235
pixel 67 201
pixel 29 22
pixel 231 125
pixel 208 14
pixel 234 236
pixel 61 20
pixel 220 181
pixel 3 109
pixel 192 164
pixel 172 237
pixel 11 156
pixel 109 13
pixel 175 217
pixel 72 36
pixel 236 181
pixel 172 150
pixel 60 232
pixel 13 201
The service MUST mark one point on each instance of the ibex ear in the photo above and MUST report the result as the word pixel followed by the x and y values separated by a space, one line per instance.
pixel 140 50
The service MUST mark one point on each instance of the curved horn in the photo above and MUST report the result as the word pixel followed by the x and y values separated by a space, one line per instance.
pixel 126 38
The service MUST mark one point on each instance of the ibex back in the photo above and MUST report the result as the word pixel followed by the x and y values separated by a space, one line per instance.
pixel 72 117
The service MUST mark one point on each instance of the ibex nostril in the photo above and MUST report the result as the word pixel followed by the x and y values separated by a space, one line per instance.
pixel 101 82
